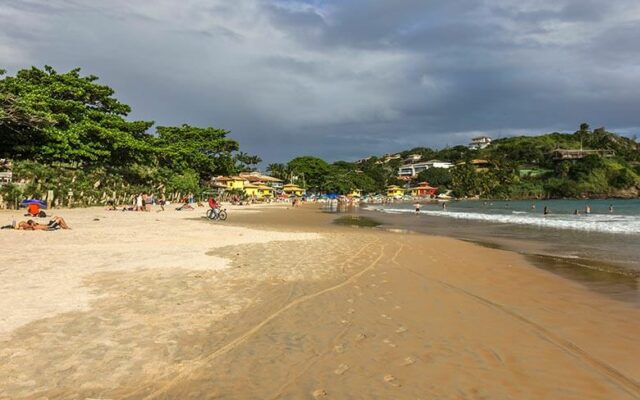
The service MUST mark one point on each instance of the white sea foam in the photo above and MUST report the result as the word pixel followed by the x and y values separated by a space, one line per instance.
pixel 625 224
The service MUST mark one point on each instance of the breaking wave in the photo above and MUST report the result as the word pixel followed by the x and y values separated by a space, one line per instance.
pixel 609 223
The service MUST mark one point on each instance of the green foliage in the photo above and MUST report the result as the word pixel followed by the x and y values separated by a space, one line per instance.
pixel 342 178
pixel 280 171
pixel 206 150
pixel 440 177
pixel 310 170
pixel 187 182
pixel 68 118
pixel 12 194
pixel 67 133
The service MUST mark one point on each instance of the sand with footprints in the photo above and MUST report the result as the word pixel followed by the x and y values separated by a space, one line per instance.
pixel 278 303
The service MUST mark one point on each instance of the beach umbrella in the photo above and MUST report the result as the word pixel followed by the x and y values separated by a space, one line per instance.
pixel 28 202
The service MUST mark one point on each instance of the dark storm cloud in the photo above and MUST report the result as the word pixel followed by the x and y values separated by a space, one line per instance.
pixel 345 79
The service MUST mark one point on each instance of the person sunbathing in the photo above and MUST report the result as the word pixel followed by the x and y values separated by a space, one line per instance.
pixel 185 206
pixel 53 225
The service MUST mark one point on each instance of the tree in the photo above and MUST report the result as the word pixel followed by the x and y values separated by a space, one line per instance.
pixel 583 132
pixel 312 169
pixel 205 150
pixel 246 162
pixel 440 177
pixel 278 170
pixel 66 118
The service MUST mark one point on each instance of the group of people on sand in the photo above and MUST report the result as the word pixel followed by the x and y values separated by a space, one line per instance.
pixel 141 202
pixel 30 225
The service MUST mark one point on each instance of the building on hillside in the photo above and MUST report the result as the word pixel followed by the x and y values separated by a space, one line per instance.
pixel 479 142
pixel 395 192
pixel 293 190
pixel 572 154
pixel 388 157
pixel 411 170
pixel 423 190
pixel 363 160
pixel 412 158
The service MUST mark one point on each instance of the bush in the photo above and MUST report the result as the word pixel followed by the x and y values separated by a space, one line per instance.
pixel 440 177
pixel 623 179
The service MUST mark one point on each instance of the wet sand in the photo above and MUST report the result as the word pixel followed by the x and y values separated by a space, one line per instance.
pixel 280 303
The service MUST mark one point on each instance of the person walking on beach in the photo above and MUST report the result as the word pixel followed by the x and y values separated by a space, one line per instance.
pixel 546 210
pixel 162 202
pixel 587 209
pixel 145 199
pixel 417 206
pixel 444 206
pixel 138 202
pixel 610 208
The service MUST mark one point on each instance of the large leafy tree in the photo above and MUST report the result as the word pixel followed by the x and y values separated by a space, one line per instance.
pixel 311 169
pixel 66 117
pixel 188 148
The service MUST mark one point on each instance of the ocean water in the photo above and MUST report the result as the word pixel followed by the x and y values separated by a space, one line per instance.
pixel 624 218
pixel 600 250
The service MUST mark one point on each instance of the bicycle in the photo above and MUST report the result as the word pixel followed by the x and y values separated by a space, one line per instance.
pixel 221 214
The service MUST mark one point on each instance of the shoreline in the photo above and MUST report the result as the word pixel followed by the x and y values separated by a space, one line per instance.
pixel 543 253
pixel 614 281
pixel 281 303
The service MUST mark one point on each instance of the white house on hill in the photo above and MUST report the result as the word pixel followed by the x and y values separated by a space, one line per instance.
pixel 411 170
pixel 479 142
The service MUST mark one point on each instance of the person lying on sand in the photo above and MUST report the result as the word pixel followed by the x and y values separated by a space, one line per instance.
pixel 53 225
pixel 185 206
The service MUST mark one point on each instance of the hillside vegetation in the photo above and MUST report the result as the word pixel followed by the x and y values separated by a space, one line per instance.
pixel 517 167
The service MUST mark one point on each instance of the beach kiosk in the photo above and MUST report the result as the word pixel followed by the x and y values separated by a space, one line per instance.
pixel 292 190
pixel 424 190
pixel 265 191
pixel 395 192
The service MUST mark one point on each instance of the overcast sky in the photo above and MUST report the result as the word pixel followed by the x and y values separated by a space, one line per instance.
pixel 343 79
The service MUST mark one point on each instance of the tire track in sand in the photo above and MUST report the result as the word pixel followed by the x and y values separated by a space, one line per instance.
pixel 242 338
pixel 318 356
pixel 617 378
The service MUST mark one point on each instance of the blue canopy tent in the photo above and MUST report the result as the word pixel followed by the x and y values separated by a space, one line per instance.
pixel 329 196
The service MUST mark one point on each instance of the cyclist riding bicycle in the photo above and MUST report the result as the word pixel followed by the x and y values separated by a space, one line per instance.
pixel 215 206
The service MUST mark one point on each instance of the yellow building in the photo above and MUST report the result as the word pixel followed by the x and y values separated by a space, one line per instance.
pixel 265 192
pixel 232 182
pixel 251 190
pixel 395 191
pixel 292 190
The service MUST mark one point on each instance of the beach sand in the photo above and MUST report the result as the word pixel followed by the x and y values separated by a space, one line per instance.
pixel 279 303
